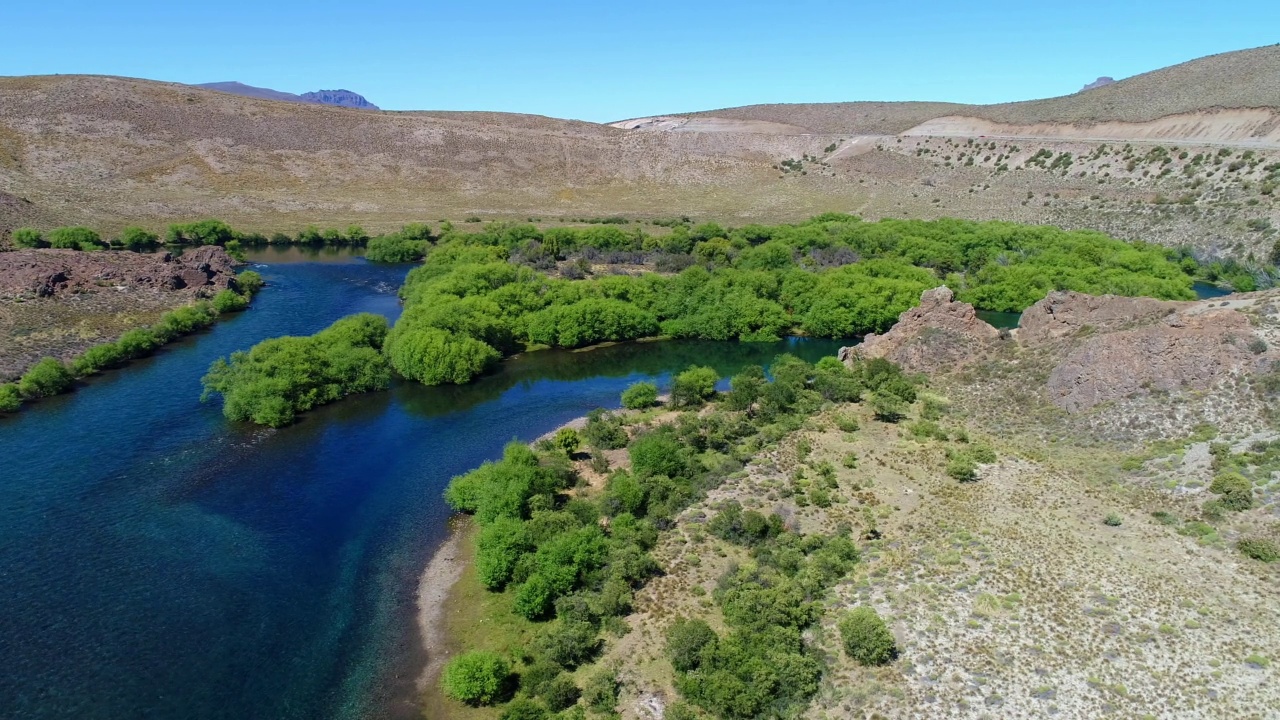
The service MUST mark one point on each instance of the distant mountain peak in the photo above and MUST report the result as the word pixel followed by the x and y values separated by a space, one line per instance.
pixel 344 98
pixel 341 98
pixel 1104 80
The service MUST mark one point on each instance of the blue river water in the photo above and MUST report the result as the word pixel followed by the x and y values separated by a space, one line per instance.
pixel 159 562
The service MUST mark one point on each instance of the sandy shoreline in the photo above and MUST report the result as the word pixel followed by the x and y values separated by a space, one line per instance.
pixel 440 575
pixel 437 580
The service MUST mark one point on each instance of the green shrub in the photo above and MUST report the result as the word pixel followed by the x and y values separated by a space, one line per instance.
pixel 568 643
pixel 499 547
pixel 277 379
pixel 524 709
pixel 1113 520
pixel 433 356
pixel 476 678
pixel 98 358
pixel 137 343
pixel 962 468
pixel 138 239
pixel 693 386
pixel 395 248
pixel 1236 490
pixel 567 440
pixel 228 301
pixel 46 378
pixel 249 283
pixel 639 396
pixel 866 638
pixel 560 693
pixel 604 431
pixel 685 641
pixel 1259 549
pixel 75 238
pixel 601 691
pixel 658 453
pixel 10 397
pixel 28 238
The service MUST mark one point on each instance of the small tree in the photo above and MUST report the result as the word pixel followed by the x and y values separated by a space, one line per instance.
pixel 888 407
pixel 567 440
pixel 10 398
pixel 693 386
pixel 476 678
pixel 867 639
pixel 639 396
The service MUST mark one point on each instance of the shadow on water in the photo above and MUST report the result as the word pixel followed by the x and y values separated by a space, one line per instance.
pixel 160 562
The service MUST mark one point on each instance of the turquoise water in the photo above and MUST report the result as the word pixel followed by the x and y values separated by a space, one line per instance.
pixel 159 562
pixel 1205 291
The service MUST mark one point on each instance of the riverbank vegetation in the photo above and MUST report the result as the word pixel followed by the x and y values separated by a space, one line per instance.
pixel 52 376
pixel 567 555
pixel 480 296
pixel 278 378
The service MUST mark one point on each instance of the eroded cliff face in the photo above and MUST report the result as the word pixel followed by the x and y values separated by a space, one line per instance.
pixel 1100 349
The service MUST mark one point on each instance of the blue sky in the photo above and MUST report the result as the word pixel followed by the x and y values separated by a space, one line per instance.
pixel 610 60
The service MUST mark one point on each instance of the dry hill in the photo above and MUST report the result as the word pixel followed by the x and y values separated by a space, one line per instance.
pixel 1126 158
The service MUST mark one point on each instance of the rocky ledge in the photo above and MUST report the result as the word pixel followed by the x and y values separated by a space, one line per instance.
pixel 48 273
pixel 1100 348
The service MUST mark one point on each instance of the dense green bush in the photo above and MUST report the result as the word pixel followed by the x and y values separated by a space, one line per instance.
pixel 524 709
pixel 639 396
pixel 866 638
pixel 476 678
pixel 1259 549
pixel 138 239
pixel 693 386
pixel 98 358
pixel 203 232
pixel 249 283
pixel 279 378
pixel 433 356
pixel 658 452
pixel 685 640
pixel 1236 490
pixel 28 238
pixel 10 397
pixel 46 378
pixel 228 301
pixel 396 248
pixel 75 238
pixel 604 431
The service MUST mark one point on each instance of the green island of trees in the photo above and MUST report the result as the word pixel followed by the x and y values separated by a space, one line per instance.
pixel 570 560
pixel 481 296
pixel 51 376
pixel 278 378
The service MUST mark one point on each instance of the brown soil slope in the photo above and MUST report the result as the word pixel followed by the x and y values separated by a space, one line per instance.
pixel 1241 79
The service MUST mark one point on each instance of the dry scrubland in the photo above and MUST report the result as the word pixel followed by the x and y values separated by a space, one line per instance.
pixel 111 151
pixel 1015 596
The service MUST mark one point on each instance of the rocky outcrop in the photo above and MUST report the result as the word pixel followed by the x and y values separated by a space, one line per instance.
pixel 52 273
pixel 341 98
pixel 1063 314
pixel 937 335
pixel 1100 82
pixel 1118 347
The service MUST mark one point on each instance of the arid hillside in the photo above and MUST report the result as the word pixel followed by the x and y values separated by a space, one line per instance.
pixel 1188 155
pixel 1241 79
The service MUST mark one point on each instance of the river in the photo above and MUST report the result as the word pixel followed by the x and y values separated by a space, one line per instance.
pixel 157 561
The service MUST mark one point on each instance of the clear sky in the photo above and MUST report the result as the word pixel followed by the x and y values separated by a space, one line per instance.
pixel 607 60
